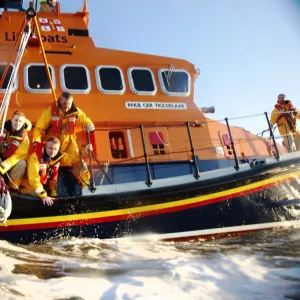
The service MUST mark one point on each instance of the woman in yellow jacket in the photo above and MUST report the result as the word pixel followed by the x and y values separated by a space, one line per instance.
pixel 62 120
pixel 284 115
pixel 14 145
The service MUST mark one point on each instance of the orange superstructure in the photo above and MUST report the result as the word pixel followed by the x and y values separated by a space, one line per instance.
pixel 119 91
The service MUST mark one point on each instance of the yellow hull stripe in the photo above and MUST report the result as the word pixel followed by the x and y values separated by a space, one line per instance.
pixel 148 208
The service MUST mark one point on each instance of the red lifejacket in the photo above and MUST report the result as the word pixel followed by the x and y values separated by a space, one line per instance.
pixel 56 120
pixel 290 118
pixel 9 142
pixel 48 166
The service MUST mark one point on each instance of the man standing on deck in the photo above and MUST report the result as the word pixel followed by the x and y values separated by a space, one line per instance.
pixel 14 145
pixel 62 119
pixel 284 115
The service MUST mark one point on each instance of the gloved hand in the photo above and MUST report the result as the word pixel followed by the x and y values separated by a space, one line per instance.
pixel 3 168
pixel 3 186
pixel 88 148
pixel 89 128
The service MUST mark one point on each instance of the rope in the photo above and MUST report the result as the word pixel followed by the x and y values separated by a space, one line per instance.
pixel 5 103
pixel 245 117
pixel 11 181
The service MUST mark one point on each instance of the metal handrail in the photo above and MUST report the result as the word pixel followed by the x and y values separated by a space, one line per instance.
pixel 196 174
pixel 277 156
pixel 149 178
pixel 237 167
pixel 192 149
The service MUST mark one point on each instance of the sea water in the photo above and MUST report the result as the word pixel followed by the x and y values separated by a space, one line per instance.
pixel 258 266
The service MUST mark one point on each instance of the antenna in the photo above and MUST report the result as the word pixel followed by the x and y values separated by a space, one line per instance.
pixel 84 6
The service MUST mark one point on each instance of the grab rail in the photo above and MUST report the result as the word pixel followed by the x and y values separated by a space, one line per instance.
pixel 196 174
pixel 232 146
pixel 149 178
pixel 237 158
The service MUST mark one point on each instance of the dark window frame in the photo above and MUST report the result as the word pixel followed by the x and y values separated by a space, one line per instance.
pixel 78 32
pixel 75 91
pixel 177 94
pixel 99 84
pixel 26 79
pixel 131 83
pixel 2 91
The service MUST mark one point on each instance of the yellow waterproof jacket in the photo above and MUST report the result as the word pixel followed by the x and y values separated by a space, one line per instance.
pixel 21 152
pixel 33 168
pixel 281 119
pixel 42 128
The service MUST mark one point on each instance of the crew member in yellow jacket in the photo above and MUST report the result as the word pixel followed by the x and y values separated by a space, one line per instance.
pixel 62 120
pixel 14 145
pixel 43 167
pixel 284 115
pixel 47 5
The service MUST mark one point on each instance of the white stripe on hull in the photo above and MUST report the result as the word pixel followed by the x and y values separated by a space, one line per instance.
pixel 212 232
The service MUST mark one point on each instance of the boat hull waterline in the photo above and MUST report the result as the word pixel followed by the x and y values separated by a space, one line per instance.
pixel 263 201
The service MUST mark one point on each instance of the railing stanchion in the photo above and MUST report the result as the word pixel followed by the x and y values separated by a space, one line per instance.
pixel 149 179
pixel 237 167
pixel 277 156
pixel 196 174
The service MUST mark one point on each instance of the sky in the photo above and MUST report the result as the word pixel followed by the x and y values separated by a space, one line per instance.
pixel 248 51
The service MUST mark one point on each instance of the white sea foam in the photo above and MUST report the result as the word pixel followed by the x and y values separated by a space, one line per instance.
pixel 93 269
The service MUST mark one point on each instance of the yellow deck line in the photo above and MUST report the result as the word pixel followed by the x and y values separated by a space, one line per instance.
pixel 143 209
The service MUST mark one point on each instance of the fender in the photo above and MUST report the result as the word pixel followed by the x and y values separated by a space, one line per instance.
pixel 5 207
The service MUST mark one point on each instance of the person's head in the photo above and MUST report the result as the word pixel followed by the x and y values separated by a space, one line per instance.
pixel 52 146
pixel 17 120
pixel 65 101
pixel 281 98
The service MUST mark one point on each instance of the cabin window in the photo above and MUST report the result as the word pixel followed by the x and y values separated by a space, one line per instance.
pixel 75 79
pixel 142 81
pixel 175 82
pixel 117 144
pixel 78 32
pixel 36 79
pixel 7 77
pixel 110 80
pixel 158 143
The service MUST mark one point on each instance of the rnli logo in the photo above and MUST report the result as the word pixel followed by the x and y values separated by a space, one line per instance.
pixel 51 25
pixel 12 37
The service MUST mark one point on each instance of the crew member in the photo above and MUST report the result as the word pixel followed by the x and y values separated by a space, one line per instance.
pixel 62 120
pixel 47 5
pixel 14 145
pixel 284 115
